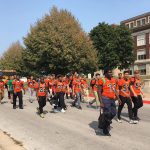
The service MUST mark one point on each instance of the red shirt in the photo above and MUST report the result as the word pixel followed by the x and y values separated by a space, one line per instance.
pixel 2 84
pixel 18 85
pixel 108 87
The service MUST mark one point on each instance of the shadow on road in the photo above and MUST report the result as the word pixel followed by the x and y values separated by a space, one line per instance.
pixel 94 126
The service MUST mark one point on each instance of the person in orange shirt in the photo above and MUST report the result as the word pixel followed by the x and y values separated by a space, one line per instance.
pixel 94 85
pixel 18 87
pixel 77 90
pixel 85 89
pixel 135 88
pixel 41 96
pixel 2 86
pixel 107 96
pixel 124 94
pixel 59 89
pixel 31 88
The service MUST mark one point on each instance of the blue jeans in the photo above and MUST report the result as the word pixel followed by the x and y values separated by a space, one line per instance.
pixel 78 98
pixel 109 107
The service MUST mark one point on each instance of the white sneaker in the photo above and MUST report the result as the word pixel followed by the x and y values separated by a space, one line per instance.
pixel 62 110
pixel 131 122
pixel 119 120
pixel 56 111
pixel 135 121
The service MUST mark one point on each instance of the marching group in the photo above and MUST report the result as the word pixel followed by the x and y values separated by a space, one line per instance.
pixel 105 91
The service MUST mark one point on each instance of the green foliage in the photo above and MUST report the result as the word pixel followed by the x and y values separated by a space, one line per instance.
pixel 57 44
pixel 12 58
pixel 114 45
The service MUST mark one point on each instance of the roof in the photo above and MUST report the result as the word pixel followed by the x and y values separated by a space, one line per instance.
pixel 136 17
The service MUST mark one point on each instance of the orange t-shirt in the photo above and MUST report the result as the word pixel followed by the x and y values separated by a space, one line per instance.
pixel 17 86
pixel 124 85
pixel 84 84
pixel 136 84
pixel 77 85
pixel 108 87
pixel 58 86
pixel 2 84
pixel 30 84
pixel 41 89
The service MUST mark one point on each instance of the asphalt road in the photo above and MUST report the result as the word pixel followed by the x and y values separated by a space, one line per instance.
pixel 73 130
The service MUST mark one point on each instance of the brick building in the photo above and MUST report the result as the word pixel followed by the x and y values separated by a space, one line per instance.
pixel 140 27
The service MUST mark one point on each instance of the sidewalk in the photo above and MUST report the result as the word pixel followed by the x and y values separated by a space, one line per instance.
pixel 8 143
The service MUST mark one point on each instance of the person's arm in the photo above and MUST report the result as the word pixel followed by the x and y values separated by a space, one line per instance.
pixel 99 92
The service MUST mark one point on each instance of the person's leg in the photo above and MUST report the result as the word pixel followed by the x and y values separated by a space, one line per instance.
pixel 97 99
pixel 40 105
pixel 135 108
pixel 20 100
pixel 9 97
pixel 40 101
pixel 139 105
pixel 14 100
pixel 56 101
pixel 120 107
pixel 78 94
pixel 107 115
pixel 129 104
pixel 62 102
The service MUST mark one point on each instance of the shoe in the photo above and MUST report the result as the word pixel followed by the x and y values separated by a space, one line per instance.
pixel 135 121
pixel 20 107
pixel 62 110
pixel 14 107
pixel 119 120
pixel 131 121
pixel 56 111
pixel 42 115
pixel 79 107
pixel 106 132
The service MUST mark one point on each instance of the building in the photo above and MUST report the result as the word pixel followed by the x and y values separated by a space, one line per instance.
pixel 140 28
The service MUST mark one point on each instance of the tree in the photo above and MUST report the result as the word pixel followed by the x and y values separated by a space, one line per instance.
pixel 12 58
pixel 57 44
pixel 114 45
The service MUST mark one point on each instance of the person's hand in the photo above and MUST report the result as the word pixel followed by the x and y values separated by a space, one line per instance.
pixel 119 101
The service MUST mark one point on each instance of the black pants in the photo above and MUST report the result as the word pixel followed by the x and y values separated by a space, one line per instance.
pixel 19 95
pixel 60 102
pixel 138 103
pixel 42 103
pixel 125 100
pixel 9 95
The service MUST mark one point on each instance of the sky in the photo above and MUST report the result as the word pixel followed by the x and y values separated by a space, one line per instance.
pixel 16 16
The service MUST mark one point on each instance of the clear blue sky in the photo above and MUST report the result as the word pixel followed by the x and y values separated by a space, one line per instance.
pixel 16 16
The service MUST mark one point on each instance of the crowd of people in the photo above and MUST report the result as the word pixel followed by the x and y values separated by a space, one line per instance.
pixel 105 90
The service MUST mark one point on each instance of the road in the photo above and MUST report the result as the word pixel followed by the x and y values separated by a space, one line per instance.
pixel 73 130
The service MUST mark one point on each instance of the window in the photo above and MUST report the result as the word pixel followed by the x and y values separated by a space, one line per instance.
pixel 127 25
pixel 141 54
pixel 139 23
pixel 141 40
pixel 142 69
pixel 149 19
pixel 143 21
pixel 131 25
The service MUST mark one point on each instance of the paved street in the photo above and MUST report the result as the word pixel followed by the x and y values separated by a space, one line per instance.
pixel 74 130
